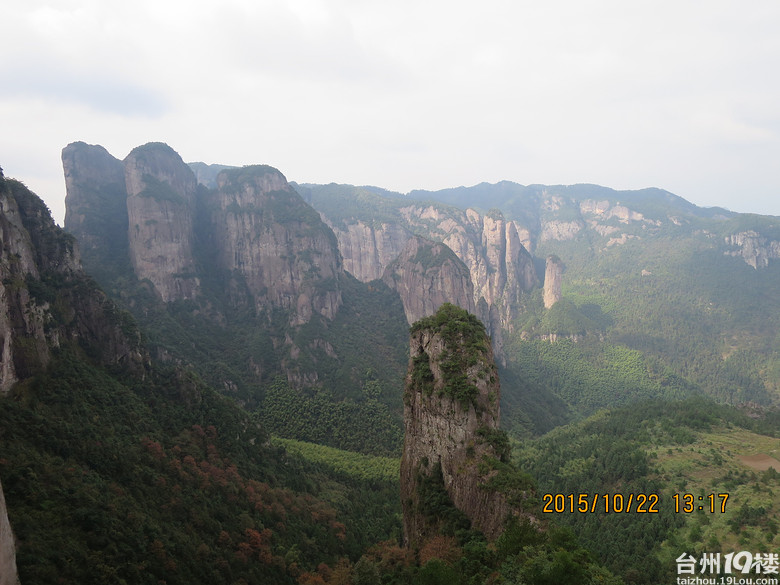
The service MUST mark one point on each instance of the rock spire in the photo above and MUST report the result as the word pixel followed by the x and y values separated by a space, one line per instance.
pixel 451 417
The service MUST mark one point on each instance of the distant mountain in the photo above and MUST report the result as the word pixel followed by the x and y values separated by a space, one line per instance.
pixel 658 297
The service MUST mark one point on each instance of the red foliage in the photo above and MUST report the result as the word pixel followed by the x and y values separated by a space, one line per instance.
pixel 440 547
pixel 154 448
pixel 389 556
pixel 311 579
pixel 324 570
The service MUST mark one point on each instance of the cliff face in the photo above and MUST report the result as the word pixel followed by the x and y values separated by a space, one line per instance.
pixel 270 248
pixel 754 248
pixel 492 248
pixel 368 249
pixel 45 297
pixel 451 417
pixel 426 275
pixel 96 200
pixel 8 575
pixel 20 328
pixel 275 244
pixel 552 281
pixel 47 301
pixel 501 267
pixel 160 209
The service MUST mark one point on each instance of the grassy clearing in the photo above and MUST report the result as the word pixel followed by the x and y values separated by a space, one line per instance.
pixel 724 460
pixel 354 465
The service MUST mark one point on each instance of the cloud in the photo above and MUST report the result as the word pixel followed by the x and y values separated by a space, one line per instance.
pixel 412 94
pixel 99 91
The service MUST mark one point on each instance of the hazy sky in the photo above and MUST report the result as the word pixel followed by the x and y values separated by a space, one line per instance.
pixel 682 95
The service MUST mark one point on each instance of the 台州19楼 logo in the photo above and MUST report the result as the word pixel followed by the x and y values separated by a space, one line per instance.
pixel 740 568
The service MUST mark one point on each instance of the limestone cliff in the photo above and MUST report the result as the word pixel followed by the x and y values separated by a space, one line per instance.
pixel 368 249
pixel 256 236
pixel 754 248
pixel 552 281
pixel 451 418
pixel 45 297
pixel 160 208
pixel 275 245
pixel 426 275
pixel 372 230
pixel 96 203
pixel 501 267
pixel 8 574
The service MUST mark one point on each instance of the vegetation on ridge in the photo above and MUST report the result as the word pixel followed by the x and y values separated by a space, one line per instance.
pixel 465 344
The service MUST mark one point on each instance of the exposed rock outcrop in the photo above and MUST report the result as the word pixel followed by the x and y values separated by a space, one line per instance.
pixel 491 247
pixel 160 208
pixel 368 249
pixel 426 275
pixel 45 297
pixel 451 418
pixel 95 201
pixel 271 249
pixel 552 281
pixel 276 244
pixel 560 230
pixel 501 268
pixel 8 574
pixel 605 210
pixel 755 249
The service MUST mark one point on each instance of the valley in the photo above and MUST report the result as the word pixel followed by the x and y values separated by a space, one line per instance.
pixel 204 377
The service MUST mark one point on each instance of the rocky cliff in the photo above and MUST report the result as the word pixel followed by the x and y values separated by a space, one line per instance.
pixel 270 241
pixel 552 281
pixel 160 211
pixel 96 203
pixel 45 297
pixel 256 236
pixel 8 575
pixel 753 247
pixel 372 229
pixel 48 302
pixel 426 275
pixel 501 268
pixel 451 418
pixel 368 249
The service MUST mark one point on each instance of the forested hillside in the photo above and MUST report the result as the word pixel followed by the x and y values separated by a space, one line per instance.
pixel 119 468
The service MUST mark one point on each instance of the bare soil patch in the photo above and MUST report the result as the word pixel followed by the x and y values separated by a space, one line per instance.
pixel 760 462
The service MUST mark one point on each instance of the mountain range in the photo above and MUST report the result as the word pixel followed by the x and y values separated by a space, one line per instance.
pixel 231 310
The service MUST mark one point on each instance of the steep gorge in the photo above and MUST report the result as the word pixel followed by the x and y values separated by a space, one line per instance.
pixel 246 260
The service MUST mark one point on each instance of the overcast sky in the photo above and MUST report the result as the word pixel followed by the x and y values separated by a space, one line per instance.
pixel 681 95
